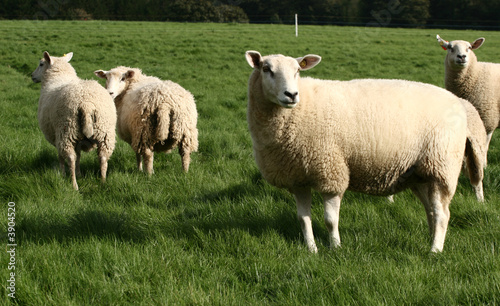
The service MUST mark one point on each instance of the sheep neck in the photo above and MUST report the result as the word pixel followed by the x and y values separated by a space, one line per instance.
pixel 58 75
pixel 461 81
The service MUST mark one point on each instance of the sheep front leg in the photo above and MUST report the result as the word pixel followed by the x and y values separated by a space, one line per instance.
pixel 303 199
pixel 332 209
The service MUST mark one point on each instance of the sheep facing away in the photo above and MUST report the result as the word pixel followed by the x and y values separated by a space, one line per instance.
pixel 153 115
pixel 372 136
pixel 74 114
pixel 477 82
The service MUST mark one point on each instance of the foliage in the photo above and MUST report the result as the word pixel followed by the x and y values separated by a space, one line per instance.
pixel 220 234
pixel 393 13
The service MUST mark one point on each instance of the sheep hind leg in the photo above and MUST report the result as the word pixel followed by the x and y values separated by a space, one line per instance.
pixel 148 156
pixel 71 158
pixel 186 158
pixel 436 200
pixel 138 158
pixel 303 199
pixel 488 140
pixel 78 153
pixel 332 209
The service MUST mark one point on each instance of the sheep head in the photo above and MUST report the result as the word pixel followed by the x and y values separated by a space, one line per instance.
pixel 117 79
pixel 279 75
pixel 46 62
pixel 460 52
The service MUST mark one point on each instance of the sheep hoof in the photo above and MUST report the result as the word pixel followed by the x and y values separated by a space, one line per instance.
pixel 312 248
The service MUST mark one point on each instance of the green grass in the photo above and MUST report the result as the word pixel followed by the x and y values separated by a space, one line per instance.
pixel 220 234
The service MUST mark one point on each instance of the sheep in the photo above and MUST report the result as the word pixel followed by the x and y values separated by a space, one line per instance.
pixel 372 136
pixel 153 115
pixel 74 114
pixel 477 82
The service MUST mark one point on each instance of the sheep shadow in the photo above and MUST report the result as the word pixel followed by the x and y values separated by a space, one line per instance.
pixel 186 224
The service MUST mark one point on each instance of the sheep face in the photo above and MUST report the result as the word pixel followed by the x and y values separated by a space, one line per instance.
pixel 45 63
pixel 116 80
pixel 279 76
pixel 459 51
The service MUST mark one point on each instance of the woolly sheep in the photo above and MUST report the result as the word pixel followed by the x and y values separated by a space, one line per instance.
pixel 477 82
pixel 153 115
pixel 74 114
pixel 372 136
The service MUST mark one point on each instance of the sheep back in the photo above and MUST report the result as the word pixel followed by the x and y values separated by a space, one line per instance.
pixel 157 116
pixel 75 111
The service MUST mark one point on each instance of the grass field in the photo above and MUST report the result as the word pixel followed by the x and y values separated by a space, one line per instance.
pixel 220 234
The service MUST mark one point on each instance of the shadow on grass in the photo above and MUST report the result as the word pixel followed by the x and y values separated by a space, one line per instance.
pixel 81 225
pixel 142 226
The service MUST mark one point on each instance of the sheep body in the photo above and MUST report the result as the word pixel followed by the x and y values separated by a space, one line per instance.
pixel 372 136
pixel 153 115
pixel 74 114
pixel 477 82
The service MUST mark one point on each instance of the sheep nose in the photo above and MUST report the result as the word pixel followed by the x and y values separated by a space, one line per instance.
pixel 291 95
pixel 462 57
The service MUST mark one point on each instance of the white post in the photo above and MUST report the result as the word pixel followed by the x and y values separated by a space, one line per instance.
pixel 296 26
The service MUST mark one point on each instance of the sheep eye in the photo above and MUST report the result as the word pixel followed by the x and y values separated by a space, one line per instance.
pixel 268 70
pixel 123 79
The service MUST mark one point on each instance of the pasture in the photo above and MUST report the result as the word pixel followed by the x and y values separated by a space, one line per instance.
pixel 220 234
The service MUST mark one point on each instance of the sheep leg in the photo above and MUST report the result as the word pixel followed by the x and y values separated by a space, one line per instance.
pixel 71 158
pixel 488 139
pixel 422 192
pixel 104 167
pixel 78 153
pixel 436 200
pixel 186 158
pixel 61 165
pixel 332 209
pixel 303 199
pixel 104 155
pixel 139 161
pixel 478 189
pixel 440 202
pixel 148 157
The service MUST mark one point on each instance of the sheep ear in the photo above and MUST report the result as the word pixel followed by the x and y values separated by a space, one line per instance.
pixel 254 59
pixel 68 56
pixel 129 74
pixel 47 57
pixel 477 43
pixel 308 61
pixel 444 43
pixel 100 73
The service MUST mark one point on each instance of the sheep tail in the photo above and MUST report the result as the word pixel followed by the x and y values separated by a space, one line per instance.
pixel 474 160
pixel 87 123
pixel 163 123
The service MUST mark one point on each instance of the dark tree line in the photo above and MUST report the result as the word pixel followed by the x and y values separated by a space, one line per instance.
pixel 448 13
